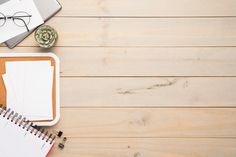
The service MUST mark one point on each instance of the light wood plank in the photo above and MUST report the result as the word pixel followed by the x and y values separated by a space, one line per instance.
pixel 147 147
pixel 143 32
pixel 144 122
pixel 97 61
pixel 149 8
pixel 161 92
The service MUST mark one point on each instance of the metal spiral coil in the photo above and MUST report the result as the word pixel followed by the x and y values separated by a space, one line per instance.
pixel 22 122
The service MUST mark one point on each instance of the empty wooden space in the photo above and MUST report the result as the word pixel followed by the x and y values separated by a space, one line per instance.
pixel 145 78
pixel 146 32
pixel 146 92
pixel 148 8
pixel 148 122
pixel 151 147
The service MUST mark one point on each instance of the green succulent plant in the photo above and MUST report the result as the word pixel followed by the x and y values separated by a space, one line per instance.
pixel 46 36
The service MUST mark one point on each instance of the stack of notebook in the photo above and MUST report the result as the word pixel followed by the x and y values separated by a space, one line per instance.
pixel 40 10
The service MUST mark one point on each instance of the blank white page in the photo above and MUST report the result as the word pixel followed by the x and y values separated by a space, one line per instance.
pixel 16 141
pixel 38 94
pixel 29 88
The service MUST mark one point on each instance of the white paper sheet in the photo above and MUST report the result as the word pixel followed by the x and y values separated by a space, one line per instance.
pixel 17 71
pixel 29 88
pixel 10 30
pixel 38 94
pixel 11 95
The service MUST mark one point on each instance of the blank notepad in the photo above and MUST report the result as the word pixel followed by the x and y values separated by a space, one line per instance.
pixel 18 138
pixel 29 88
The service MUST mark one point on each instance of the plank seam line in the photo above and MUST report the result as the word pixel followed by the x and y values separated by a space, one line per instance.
pixel 150 137
pixel 93 46
pixel 149 107
pixel 70 76
pixel 145 17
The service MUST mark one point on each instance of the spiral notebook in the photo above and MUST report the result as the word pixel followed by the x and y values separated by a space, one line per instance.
pixel 19 138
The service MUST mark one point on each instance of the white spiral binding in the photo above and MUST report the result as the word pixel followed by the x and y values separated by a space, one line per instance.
pixel 21 121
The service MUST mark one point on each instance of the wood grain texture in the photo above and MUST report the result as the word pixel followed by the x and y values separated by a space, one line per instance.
pixel 148 122
pixel 147 147
pixel 148 8
pixel 146 78
pixel 143 32
pixel 144 92
pixel 173 61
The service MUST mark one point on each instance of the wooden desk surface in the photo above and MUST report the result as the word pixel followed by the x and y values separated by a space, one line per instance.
pixel 146 78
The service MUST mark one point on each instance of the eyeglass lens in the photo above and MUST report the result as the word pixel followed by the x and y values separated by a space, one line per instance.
pixel 20 18
pixel 2 19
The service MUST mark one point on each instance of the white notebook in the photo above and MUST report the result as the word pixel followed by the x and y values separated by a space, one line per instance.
pixel 19 138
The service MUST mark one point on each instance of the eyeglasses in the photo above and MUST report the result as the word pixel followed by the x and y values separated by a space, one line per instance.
pixel 20 19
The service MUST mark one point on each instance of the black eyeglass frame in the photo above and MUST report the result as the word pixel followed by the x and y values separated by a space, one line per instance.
pixel 13 17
